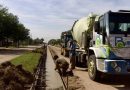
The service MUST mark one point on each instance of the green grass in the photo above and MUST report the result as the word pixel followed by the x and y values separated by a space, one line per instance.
pixel 28 60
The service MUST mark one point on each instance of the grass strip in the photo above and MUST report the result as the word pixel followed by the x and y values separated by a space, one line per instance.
pixel 28 60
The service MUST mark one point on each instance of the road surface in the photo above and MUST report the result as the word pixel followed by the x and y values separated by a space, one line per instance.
pixel 108 83
pixel 7 54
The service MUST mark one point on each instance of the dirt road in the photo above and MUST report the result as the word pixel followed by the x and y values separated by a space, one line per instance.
pixel 7 54
pixel 108 83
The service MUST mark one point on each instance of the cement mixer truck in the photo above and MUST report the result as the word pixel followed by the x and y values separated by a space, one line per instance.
pixel 103 43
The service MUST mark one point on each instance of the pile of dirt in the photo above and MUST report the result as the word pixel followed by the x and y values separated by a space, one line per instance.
pixel 14 77
pixel 74 83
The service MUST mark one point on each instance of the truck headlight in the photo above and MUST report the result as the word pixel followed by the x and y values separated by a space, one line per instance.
pixel 113 64
pixel 118 69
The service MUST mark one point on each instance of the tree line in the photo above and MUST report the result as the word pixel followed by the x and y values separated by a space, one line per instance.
pixel 55 42
pixel 36 41
pixel 12 31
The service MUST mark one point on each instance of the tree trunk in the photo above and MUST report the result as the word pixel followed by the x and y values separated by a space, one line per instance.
pixel 7 43
pixel 18 44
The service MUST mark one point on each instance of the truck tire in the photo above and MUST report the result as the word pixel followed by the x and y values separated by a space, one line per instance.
pixel 93 73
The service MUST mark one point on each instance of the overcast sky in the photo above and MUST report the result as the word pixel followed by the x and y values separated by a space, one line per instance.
pixel 48 18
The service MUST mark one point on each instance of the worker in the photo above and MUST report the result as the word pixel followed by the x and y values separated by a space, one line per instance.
pixel 61 64
pixel 72 54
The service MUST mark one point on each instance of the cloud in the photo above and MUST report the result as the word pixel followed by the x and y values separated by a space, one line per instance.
pixel 48 18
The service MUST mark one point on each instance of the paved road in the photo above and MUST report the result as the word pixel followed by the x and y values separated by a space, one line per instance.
pixel 108 83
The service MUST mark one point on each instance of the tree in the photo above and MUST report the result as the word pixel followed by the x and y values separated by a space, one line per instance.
pixel 42 40
pixel 20 34
pixel 55 42
pixel 52 42
pixel 10 28
pixel 3 13
pixel 38 41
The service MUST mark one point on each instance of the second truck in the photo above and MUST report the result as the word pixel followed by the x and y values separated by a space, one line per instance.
pixel 103 43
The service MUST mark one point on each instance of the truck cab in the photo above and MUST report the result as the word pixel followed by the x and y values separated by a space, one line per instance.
pixel 65 38
pixel 109 51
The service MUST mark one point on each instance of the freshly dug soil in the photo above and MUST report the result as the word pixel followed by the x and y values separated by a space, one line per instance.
pixel 74 83
pixel 14 77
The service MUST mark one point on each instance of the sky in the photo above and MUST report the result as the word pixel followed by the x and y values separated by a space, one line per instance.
pixel 48 18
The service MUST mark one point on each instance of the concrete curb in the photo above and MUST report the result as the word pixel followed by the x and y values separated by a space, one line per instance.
pixel 53 79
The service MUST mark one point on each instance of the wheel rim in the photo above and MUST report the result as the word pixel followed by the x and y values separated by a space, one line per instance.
pixel 91 68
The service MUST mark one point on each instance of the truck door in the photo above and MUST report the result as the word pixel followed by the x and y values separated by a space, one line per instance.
pixel 103 30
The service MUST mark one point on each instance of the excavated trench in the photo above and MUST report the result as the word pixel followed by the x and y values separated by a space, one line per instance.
pixel 40 77
pixel 46 78
pixel 53 53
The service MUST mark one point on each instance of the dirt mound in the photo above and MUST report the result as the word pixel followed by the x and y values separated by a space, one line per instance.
pixel 14 77
pixel 74 83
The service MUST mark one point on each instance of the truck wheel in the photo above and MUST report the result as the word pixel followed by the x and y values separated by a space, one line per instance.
pixel 93 73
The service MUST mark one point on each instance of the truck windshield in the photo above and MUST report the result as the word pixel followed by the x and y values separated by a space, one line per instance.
pixel 119 23
pixel 119 28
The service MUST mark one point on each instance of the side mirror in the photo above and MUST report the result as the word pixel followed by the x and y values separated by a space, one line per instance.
pixel 97 26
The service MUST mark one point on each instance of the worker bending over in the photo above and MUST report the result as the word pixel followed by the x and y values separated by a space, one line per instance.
pixel 61 64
